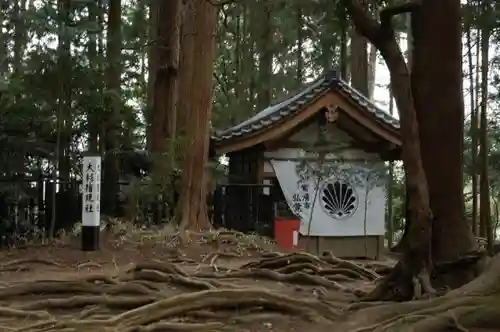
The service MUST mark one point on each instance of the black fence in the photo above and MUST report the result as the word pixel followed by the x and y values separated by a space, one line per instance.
pixel 26 207
pixel 245 208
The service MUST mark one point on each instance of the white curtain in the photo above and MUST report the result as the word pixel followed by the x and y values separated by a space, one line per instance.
pixel 332 199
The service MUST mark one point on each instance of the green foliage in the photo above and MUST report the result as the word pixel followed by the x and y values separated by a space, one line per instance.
pixel 43 80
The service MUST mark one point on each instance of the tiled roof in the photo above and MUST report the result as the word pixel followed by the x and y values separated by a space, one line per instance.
pixel 299 101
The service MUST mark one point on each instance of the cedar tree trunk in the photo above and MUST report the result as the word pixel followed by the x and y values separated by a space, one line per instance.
pixel 436 79
pixel 112 123
pixel 165 79
pixel 359 59
pixel 412 272
pixel 198 107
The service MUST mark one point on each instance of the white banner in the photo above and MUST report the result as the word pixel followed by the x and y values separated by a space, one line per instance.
pixel 334 198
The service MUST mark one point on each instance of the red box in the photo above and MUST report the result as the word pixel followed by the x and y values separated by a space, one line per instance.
pixel 286 233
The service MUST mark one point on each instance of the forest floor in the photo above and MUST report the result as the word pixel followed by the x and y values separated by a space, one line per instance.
pixel 148 281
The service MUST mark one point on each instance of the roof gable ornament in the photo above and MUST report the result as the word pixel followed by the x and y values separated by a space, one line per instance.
pixel 332 113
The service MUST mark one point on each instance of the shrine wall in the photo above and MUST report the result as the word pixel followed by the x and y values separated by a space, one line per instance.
pixel 345 195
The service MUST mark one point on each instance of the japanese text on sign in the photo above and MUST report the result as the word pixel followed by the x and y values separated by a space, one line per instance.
pixel 91 185
pixel 302 198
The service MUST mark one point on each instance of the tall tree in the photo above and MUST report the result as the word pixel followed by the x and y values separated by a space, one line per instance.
pixel 64 118
pixel 166 53
pixel 300 46
pixel 437 89
pixel 473 115
pixel 359 59
pixel 152 68
pixel 20 33
pixel 264 45
pixel 92 52
pixel 342 13
pixel 114 105
pixel 64 98
pixel 199 32
pixel 372 71
pixel 432 95
pixel 484 184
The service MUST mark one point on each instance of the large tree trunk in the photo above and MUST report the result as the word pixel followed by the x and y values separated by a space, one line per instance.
pixel 93 114
pixel 112 123
pixel 264 24
pixel 152 68
pixel 437 95
pixel 343 22
pixel 415 266
pixel 359 59
pixel 65 96
pixel 198 107
pixel 372 71
pixel 437 90
pixel 20 34
pixel 485 204
pixel 165 78
pixel 300 46
pixel 473 117
pixel 186 66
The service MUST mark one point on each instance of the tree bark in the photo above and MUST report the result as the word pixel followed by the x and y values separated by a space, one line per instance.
pixel 265 52
pixel 485 205
pixel 359 59
pixel 198 107
pixel 416 263
pixel 390 184
pixel 112 122
pixel 186 65
pixel 473 121
pixel 436 79
pixel 93 114
pixel 300 46
pixel 166 50
pixel 343 41
pixel 65 90
pixel 372 71
pixel 152 68
pixel 19 38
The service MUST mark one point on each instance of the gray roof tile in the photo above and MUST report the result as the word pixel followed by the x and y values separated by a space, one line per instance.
pixel 297 101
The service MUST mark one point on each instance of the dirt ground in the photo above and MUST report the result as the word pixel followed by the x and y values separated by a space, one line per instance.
pixel 220 281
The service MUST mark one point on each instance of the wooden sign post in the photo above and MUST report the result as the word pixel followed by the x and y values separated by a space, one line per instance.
pixel 91 207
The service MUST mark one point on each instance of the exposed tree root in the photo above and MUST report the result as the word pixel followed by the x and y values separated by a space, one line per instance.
pixel 149 317
pixel 282 261
pixel 341 263
pixel 49 287
pixel 270 254
pixel 309 264
pixel 165 267
pixel 217 254
pixel 11 312
pixel 295 277
pixel 340 278
pixel 183 303
pixel 75 302
pixel 476 304
pixel 133 287
pixel 379 268
pixel 87 265
pixel 157 276
pixel 174 327
pixel 21 264
pixel 136 300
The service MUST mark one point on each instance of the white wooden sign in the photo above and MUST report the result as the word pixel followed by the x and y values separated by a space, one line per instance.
pixel 91 185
